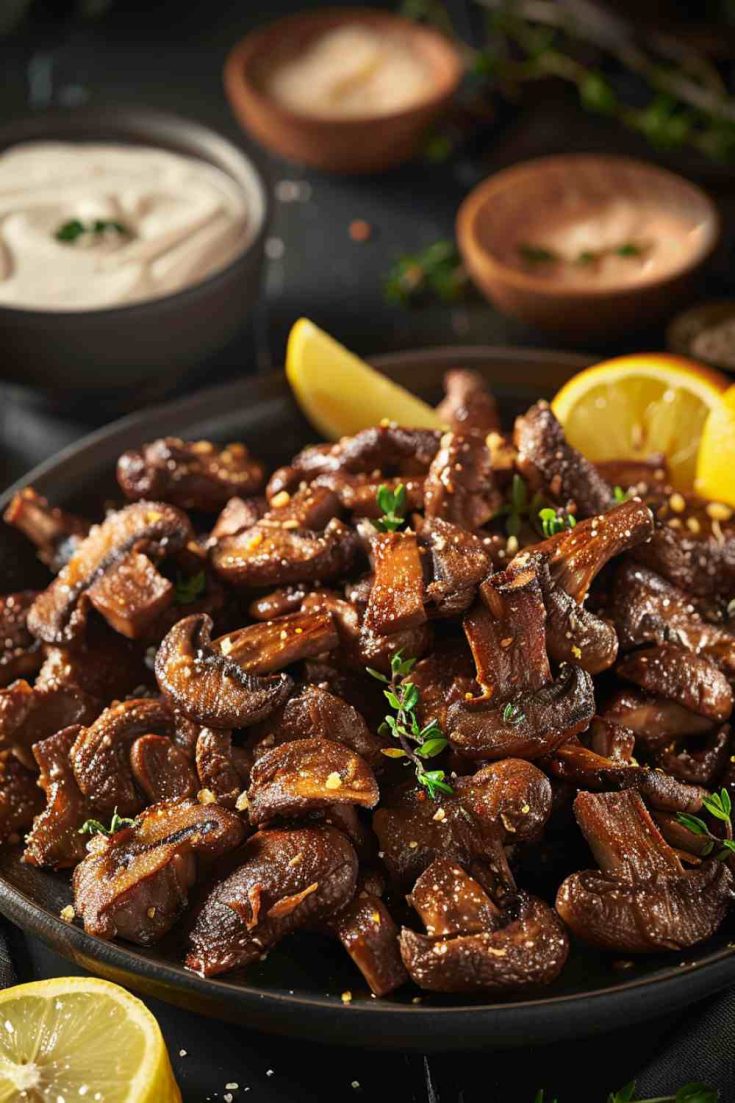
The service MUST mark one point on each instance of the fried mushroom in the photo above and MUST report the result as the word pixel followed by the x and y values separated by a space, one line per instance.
pixel 189 474
pixel 209 687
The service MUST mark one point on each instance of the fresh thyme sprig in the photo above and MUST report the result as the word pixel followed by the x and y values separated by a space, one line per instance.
pixel 513 714
pixel 416 743
pixel 434 272
pixel 189 588
pixel 689 1093
pixel 553 522
pixel 94 827
pixel 393 506
pixel 719 806
pixel 619 494
pixel 74 229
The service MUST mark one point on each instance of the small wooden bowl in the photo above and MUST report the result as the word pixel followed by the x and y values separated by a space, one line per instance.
pixel 495 217
pixel 363 144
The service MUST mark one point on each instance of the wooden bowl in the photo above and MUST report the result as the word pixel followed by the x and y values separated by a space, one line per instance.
pixel 359 144
pixel 502 211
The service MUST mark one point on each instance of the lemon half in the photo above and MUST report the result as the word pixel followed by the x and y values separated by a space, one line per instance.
pixel 634 407
pixel 81 1039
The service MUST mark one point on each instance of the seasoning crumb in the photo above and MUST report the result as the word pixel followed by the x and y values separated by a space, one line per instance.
pixel 232 1087
pixel 360 230
pixel 334 781
pixel 677 502
pixel 269 1072
pixel 206 796
pixel 576 651
pixel 242 803
pixel 346 997
pixel 355 1085
pixel 182 1053
pixel 67 913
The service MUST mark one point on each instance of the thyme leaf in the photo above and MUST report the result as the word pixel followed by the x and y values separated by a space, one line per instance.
pixel 94 827
pixel 392 504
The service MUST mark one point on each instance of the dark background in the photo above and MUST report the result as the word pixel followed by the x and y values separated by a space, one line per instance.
pixel 169 54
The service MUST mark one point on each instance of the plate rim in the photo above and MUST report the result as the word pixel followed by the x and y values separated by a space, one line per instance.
pixel 464 1025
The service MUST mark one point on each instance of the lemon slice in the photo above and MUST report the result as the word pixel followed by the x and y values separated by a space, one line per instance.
pixel 341 394
pixel 79 1038
pixel 637 406
pixel 716 460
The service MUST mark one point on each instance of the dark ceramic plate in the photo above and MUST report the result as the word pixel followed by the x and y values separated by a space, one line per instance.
pixel 297 990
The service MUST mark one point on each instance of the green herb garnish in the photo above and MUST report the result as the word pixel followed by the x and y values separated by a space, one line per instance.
pixel 536 254
pixel 189 588
pixel 689 1093
pixel 619 494
pixel 416 743
pixel 435 272
pixel 629 249
pixel 71 231
pixel 719 806
pixel 392 504
pixel 513 714
pixel 553 522
pixel 94 827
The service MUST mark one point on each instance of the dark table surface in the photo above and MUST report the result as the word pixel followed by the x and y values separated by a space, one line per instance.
pixel 169 54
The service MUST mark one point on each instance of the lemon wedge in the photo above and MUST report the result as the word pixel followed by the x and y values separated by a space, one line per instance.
pixel 637 406
pixel 341 394
pixel 79 1038
pixel 716 458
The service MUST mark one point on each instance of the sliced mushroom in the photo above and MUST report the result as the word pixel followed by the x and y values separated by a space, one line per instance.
pixel 268 555
pixel 390 449
pixel 588 770
pixel 698 762
pixel 54 840
pixel 577 555
pixel 288 879
pixel 20 653
pixel 308 775
pixel 100 756
pixel 642 899
pixel 189 474
pixel 135 884
pixel 56 533
pixel 505 802
pixel 550 464
pixel 274 644
pixel 209 687
pixel 161 769
pixel 20 798
pixel 223 770
pixel 468 404
pixel 59 613
pixel 29 714
pixel 574 634
pixel 370 936
pixel 647 609
pixel 459 563
pixel 317 713
pixel 311 507
pixel 507 634
pixel 460 486
pixel 443 677
pixel 131 595
pixel 530 726
pixel 700 558
pixel 238 515
pixel 397 595
pixel 479 947
pixel 653 720
pixel 611 740
pixel 669 671
pixel 279 602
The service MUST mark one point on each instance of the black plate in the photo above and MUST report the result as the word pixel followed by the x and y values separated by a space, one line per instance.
pixel 297 990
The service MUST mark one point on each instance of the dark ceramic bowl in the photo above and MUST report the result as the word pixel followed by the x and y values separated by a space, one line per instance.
pixel 142 345
pixel 297 990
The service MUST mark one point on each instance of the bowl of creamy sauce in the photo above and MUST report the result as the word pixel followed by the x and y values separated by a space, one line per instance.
pixel 90 225
pixel 345 90
pixel 131 247
pixel 580 243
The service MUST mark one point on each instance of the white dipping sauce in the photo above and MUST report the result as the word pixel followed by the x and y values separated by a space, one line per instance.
pixel 353 72
pixel 185 220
